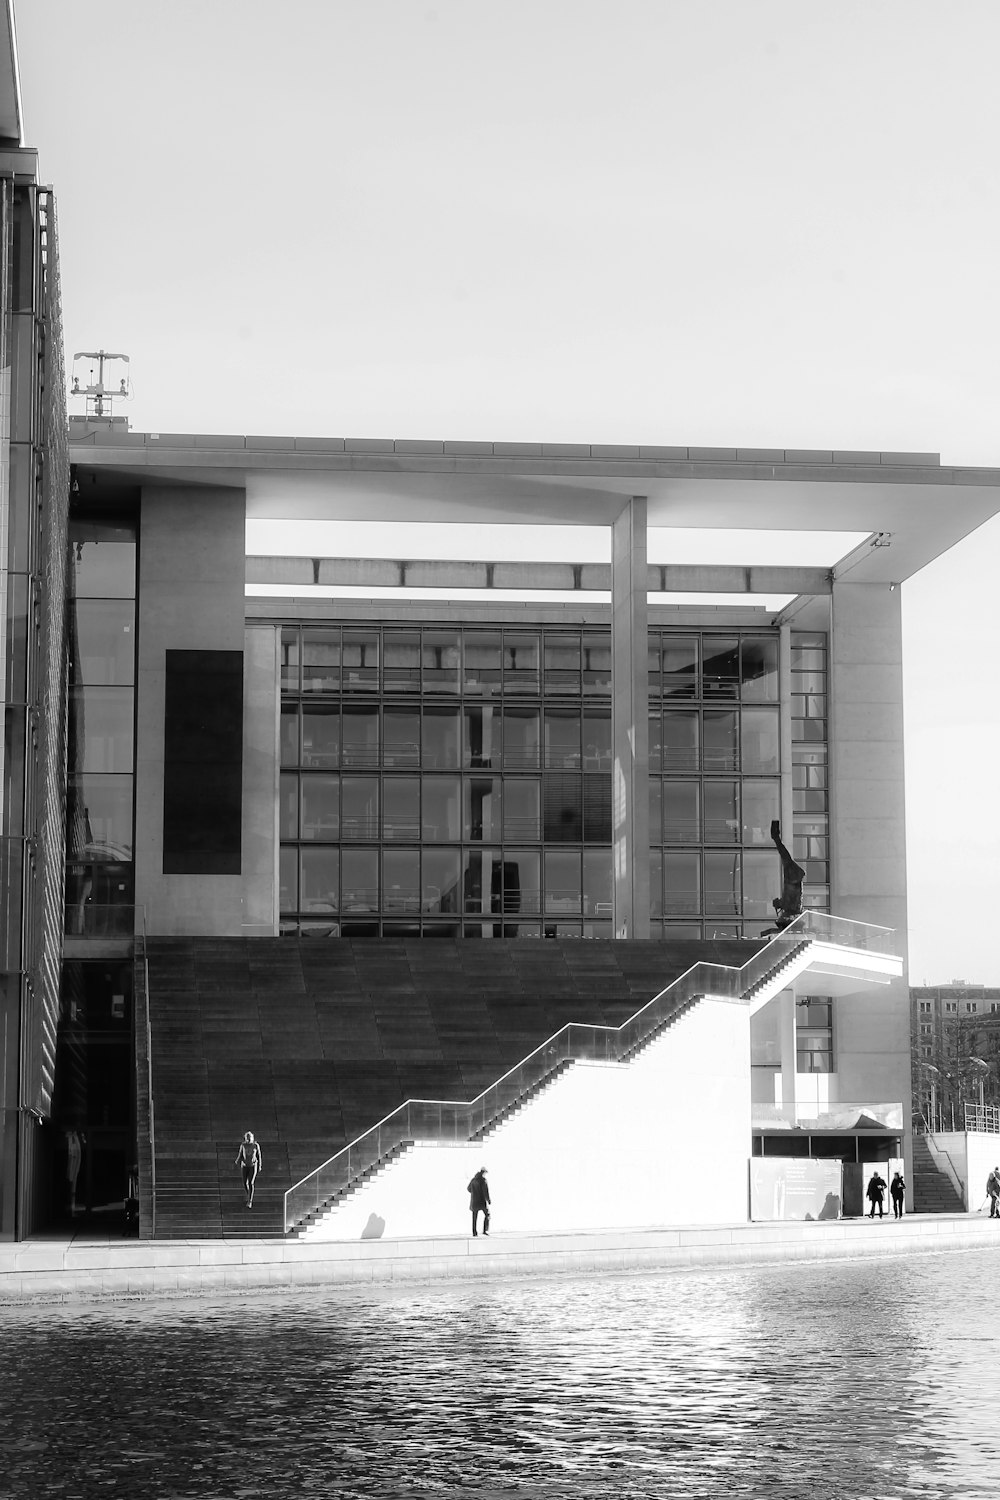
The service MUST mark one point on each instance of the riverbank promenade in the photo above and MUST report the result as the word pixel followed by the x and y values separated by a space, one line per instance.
pixel 88 1265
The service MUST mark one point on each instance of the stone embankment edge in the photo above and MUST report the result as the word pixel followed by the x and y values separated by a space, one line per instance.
pixel 55 1272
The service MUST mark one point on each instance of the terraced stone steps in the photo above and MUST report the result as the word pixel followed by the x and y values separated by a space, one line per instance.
pixel 308 1043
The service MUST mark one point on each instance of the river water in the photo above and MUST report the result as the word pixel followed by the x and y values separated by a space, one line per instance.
pixel 819 1382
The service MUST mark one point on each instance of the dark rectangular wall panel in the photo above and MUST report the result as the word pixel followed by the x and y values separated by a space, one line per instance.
pixel 203 763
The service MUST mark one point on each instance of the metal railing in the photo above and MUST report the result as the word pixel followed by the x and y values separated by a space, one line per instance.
pixel 452 1120
pixel 982 1117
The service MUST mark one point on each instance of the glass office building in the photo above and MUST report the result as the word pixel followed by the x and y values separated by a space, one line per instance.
pixel 457 781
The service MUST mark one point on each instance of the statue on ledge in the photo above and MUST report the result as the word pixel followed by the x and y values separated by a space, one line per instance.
pixel 788 905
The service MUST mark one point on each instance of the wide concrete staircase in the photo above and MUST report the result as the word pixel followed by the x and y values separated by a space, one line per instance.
pixel 309 1042
pixel 933 1190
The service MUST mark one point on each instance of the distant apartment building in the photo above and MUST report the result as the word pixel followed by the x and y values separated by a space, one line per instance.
pixel 955 1042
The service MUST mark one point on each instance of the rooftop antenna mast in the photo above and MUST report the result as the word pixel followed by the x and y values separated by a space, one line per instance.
pixel 94 382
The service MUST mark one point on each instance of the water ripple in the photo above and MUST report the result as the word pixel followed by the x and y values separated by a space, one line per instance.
pixel 851 1381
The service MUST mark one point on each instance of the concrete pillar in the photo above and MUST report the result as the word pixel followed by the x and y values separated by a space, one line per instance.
pixel 630 723
pixel 789 1045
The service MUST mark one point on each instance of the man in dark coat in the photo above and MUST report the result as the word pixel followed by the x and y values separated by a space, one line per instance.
pixel 479 1201
pixel 876 1193
pixel 897 1192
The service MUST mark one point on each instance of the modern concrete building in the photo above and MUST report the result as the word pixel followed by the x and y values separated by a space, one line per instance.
pixel 291 863
pixel 426 772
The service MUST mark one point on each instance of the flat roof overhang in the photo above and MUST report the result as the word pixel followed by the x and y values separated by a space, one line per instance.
pixel 920 508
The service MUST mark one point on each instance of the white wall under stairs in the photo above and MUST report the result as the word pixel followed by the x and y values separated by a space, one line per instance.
pixel 662 1140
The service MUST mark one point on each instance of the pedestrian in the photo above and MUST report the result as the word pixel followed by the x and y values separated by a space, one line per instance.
pixel 249 1159
pixel 876 1193
pixel 897 1192
pixel 479 1200
pixel 993 1192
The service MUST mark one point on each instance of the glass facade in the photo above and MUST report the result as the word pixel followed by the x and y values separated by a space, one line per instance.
pixel 457 782
pixel 102 644
pixel 810 759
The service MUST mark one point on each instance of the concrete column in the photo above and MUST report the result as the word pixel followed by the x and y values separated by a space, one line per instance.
pixel 630 722
pixel 867 833
pixel 191 596
pixel 789 1045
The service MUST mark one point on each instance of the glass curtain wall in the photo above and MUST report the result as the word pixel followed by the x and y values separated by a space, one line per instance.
pixel 458 782
pixel 99 883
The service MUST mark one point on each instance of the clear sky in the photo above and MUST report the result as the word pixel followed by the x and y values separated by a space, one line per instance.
pixel 734 222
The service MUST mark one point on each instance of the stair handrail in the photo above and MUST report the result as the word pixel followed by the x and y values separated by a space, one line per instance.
pixel 463 1120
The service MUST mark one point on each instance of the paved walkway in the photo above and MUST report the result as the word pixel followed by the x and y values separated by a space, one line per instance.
pixel 89 1265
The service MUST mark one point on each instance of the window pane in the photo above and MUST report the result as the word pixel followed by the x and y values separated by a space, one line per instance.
pixel 359 874
pixel 440 738
pixel 760 739
pixel 656 882
pixel 320 734
pixel 289 734
pixel 359 727
pixel 441 655
pixel 562 882
pixel 761 805
pixel 103 570
pixel 290 645
pixel 442 808
pixel 442 880
pixel 596 738
pixel 597 664
pixel 105 641
pixel 680 667
pixel 401 669
pixel 759 669
pixel 655 810
pixel 655 742
pixel 681 814
pixel 105 716
pixel 359 818
pixel 562 738
pixel 520 738
pixel 482 662
pixel 401 736
pixel 521 881
pixel 105 816
pixel 680 741
pixel 722 884
pixel 321 807
pixel 320 879
pixel 321 661
pixel 681 883
pixel 807 659
pixel 520 663
pixel 597 883
pixel 360 660
pixel 721 741
pixel 480 736
pixel 761 882
pixel 522 819
pixel 401 880
pixel 481 813
pixel 722 821
pixel 401 808
pixel 288 807
pixel 721 671
pixel 481 883
pixel 563 803
pixel 288 879
pixel 597 808
pixel 562 663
